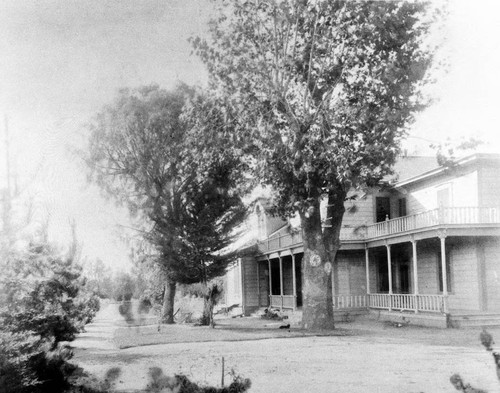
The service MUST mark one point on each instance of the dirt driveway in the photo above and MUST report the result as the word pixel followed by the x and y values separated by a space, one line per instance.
pixel 357 358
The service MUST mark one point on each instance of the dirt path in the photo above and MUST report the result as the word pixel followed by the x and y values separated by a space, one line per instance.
pixel 369 363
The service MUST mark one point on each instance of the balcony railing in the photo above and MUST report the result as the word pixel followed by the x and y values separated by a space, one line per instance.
pixel 440 216
pixel 429 218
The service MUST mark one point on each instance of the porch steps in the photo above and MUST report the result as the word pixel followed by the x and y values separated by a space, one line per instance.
pixel 474 320
pixel 435 320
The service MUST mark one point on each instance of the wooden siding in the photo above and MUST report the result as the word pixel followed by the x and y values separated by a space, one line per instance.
pixel 357 273
pixel 351 273
pixel 264 283
pixel 427 266
pixel 464 275
pixel 489 186
pixel 287 276
pixel 342 281
pixel 359 212
pixel 463 192
pixel 492 273
pixel 232 289
pixel 373 268
pixel 249 271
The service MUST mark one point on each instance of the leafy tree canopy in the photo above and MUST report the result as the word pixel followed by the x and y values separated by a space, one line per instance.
pixel 326 89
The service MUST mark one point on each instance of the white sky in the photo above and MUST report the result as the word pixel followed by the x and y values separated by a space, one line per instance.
pixel 62 60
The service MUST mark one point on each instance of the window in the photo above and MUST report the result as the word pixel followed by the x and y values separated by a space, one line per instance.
pixel 402 207
pixel 444 196
pixel 382 208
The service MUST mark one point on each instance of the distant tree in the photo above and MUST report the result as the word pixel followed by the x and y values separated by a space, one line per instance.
pixel 98 278
pixel 147 154
pixel 446 152
pixel 324 91
pixel 124 286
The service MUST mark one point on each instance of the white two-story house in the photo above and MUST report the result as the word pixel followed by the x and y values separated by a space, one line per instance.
pixel 425 247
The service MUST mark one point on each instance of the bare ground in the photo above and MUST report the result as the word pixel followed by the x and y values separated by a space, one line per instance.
pixel 364 356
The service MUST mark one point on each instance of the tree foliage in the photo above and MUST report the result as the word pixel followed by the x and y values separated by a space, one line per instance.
pixel 324 91
pixel 164 154
pixel 42 293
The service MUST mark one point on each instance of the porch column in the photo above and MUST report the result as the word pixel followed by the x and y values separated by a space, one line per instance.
pixel 389 273
pixel 442 238
pixel 281 280
pixel 270 282
pixel 415 273
pixel 294 286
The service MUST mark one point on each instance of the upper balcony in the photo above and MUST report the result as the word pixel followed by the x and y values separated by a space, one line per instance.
pixel 461 217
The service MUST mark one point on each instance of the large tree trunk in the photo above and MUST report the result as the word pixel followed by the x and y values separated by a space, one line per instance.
pixel 320 248
pixel 167 314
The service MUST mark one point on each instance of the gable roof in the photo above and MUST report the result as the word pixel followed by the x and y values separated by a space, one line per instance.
pixel 476 159
pixel 411 166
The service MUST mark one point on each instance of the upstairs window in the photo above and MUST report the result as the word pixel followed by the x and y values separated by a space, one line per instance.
pixel 444 197
pixel 402 207
pixel 382 208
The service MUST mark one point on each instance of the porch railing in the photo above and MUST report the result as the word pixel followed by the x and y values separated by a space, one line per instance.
pixel 399 302
pixel 350 301
pixel 403 302
pixel 285 301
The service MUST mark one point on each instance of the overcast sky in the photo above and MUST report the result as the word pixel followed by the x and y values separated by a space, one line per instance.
pixel 62 60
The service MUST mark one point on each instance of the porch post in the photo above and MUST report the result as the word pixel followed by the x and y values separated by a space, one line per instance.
pixel 294 283
pixel 270 282
pixel 281 280
pixel 442 238
pixel 389 273
pixel 367 264
pixel 415 273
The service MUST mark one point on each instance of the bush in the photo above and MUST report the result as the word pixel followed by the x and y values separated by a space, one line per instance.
pixel 181 384
pixel 16 350
pixel 145 305
pixel 42 302
pixel 271 315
